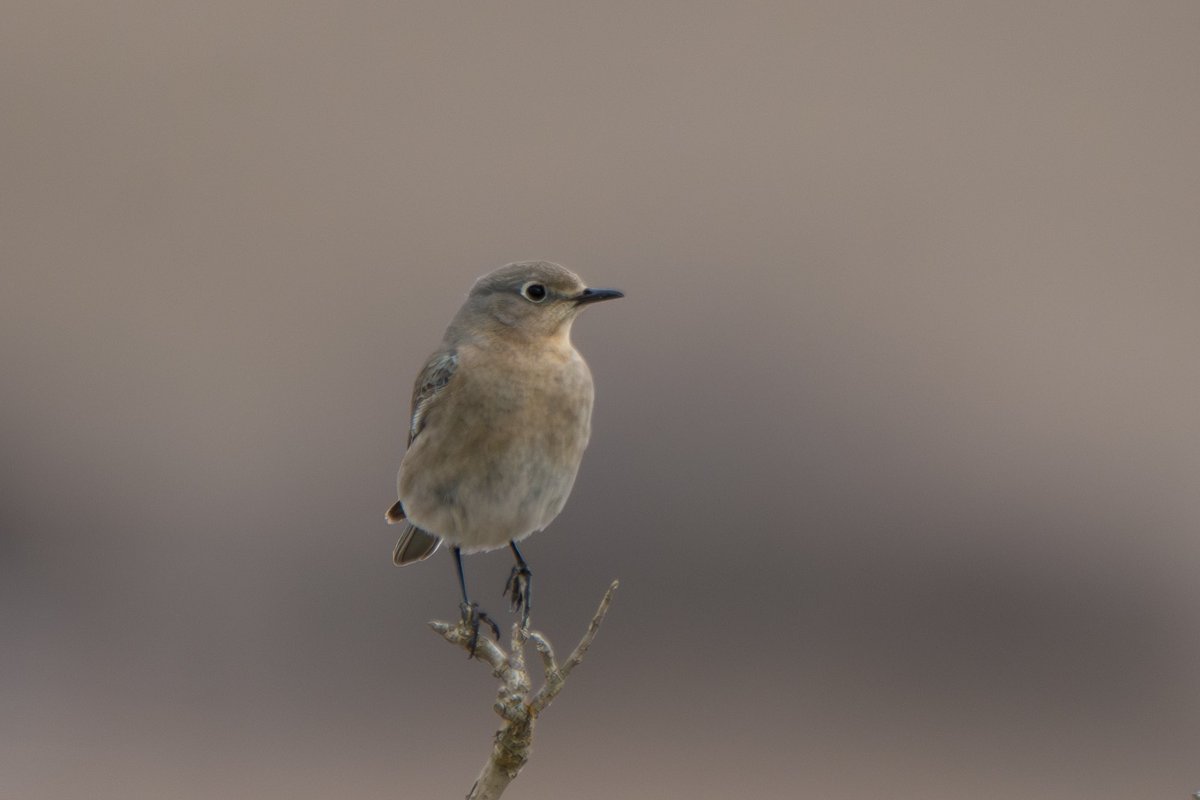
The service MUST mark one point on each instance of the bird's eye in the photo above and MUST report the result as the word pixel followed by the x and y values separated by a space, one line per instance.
pixel 534 291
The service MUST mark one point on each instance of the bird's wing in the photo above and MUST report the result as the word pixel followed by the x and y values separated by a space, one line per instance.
pixel 416 544
pixel 433 379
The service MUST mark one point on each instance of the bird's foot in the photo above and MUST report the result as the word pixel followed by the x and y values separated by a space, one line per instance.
pixel 519 590
pixel 472 616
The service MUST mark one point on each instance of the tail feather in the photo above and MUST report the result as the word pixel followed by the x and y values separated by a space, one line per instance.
pixel 414 545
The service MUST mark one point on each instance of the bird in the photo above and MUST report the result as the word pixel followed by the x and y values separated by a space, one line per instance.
pixel 501 415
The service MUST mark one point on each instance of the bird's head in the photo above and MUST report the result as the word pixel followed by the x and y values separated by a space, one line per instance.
pixel 529 299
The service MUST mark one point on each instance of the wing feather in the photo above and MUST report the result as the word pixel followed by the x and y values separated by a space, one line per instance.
pixel 416 544
pixel 432 380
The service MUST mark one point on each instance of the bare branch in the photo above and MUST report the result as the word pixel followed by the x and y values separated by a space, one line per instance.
pixel 485 650
pixel 546 653
pixel 556 679
pixel 593 628
pixel 513 702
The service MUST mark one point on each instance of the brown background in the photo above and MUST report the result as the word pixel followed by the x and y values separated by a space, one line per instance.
pixel 896 445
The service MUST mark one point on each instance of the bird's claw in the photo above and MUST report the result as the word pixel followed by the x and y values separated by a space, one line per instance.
pixel 519 591
pixel 472 616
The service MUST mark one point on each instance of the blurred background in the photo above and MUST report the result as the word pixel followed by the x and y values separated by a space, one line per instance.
pixel 896 441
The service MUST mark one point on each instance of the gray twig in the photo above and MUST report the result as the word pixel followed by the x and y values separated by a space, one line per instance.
pixel 513 701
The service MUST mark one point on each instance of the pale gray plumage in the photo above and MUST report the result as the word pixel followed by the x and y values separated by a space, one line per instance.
pixel 501 415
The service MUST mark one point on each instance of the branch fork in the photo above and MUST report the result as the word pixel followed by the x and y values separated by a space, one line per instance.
pixel 516 703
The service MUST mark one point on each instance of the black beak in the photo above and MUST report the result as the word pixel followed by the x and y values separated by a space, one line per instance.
pixel 596 295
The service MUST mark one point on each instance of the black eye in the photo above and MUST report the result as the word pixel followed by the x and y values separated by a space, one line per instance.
pixel 535 292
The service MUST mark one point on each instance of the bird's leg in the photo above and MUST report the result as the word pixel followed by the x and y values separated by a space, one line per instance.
pixel 472 614
pixel 520 586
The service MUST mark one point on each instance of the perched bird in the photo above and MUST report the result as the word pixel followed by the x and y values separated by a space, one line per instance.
pixel 501 414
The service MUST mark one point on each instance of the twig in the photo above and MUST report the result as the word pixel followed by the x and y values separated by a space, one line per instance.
pixel 513 702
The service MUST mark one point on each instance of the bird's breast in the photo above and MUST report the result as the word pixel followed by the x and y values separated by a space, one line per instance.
pixel 497 460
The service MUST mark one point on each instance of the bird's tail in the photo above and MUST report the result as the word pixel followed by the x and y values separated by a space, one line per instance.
pixel 395 513
pixel 415 544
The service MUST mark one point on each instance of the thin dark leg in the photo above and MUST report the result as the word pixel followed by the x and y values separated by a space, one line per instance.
pixel 472 614
pixel 462 580
pixel 520 586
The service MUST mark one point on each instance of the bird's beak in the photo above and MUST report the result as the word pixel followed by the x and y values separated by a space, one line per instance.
pixel 596 295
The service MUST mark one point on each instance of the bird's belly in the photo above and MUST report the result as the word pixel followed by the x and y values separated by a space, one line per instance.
pixel 494 496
